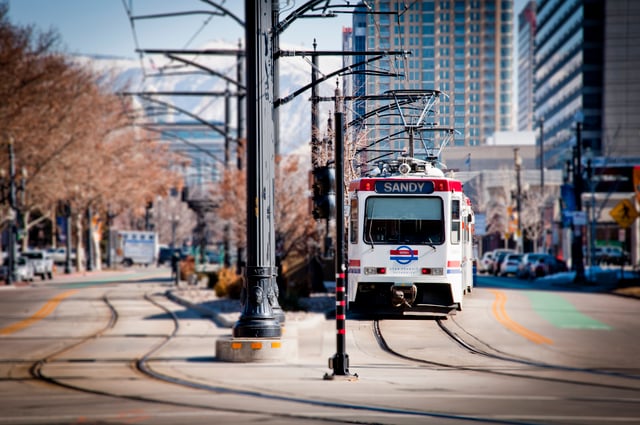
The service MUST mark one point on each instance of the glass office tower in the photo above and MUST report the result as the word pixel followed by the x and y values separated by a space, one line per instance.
pixel 526 45
pixel 569 75
pixel 460 47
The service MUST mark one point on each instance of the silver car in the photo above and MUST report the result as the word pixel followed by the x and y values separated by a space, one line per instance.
pixel 510 264
pixel 23 270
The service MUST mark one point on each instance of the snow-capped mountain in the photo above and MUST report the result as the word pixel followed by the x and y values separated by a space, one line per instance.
pixel 157 73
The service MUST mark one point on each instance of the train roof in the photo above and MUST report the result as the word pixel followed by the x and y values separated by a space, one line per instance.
pixel 404 166
pixel 407 176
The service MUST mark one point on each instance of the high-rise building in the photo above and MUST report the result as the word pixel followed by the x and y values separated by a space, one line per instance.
pixel 621 102
pixel 569 75
pixel 526 44
pixel 462 48
pixel 359 44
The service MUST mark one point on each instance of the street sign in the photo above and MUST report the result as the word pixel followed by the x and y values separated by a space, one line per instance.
pixel 579 218
pixel 624 213
pixel 481 225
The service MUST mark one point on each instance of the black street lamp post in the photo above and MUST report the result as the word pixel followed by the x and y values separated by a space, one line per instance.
pixel 110 242
pixel 518 165
pixel 542 199
pixel 576 245
pixel 67 217
pixel 89 240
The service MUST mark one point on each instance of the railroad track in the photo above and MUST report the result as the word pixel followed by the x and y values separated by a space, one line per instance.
pixel 323 411
pixel 624 381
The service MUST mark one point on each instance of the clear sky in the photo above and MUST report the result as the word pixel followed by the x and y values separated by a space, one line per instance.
pixel 103 27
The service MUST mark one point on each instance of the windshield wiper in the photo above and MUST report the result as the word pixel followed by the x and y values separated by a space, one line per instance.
pixel 430 243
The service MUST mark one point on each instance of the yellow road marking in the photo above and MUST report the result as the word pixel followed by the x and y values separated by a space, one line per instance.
pixel 46 310
pixel 501 314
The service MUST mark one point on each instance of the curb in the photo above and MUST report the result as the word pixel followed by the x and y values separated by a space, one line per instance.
pixel 228 320
pixel 217 318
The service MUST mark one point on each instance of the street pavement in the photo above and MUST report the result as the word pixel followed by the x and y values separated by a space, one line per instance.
pixel 386 390
pixel 223 311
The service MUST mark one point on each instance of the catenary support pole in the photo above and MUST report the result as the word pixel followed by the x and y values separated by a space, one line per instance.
pixel 241 146
pixel 257 319
pixel 315 114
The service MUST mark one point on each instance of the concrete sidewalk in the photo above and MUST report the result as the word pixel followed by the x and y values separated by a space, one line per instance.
pixel 225 312
pixel 105 275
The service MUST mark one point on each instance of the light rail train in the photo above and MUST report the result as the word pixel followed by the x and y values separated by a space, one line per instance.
pixel 409 241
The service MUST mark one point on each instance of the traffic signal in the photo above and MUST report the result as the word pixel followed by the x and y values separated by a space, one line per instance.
pixel 324 197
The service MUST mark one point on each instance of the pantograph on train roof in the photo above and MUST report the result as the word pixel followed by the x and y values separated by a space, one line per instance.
pixel 413 113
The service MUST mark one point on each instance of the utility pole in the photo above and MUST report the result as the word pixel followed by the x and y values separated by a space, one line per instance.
pixel 315 114
pixel 576 247
pixel 258 317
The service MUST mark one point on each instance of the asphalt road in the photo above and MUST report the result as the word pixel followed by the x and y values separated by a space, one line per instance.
pixel 114 349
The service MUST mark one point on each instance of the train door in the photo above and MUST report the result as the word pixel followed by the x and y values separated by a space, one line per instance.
pixel 353 256
pixel 454 260
pixel 467 245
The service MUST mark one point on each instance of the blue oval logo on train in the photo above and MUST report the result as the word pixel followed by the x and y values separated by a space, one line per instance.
pixel 403 255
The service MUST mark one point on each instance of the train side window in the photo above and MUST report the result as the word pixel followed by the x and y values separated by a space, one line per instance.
pixel 455 221
pixel 353 221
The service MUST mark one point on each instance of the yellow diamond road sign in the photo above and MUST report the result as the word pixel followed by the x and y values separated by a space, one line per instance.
pixel 624 213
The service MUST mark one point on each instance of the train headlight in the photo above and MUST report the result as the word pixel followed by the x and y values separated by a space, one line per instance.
pixel 375 270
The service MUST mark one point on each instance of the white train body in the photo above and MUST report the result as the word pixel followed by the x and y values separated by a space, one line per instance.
pixel 409 242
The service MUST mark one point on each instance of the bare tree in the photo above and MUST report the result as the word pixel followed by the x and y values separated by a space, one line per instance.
pixel 294 226
pixel 72 135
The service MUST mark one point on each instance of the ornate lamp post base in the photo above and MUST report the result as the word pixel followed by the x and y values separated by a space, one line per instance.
pixel 259 296
pixel 257 328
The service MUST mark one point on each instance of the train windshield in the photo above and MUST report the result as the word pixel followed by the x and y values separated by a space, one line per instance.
pixel 404 219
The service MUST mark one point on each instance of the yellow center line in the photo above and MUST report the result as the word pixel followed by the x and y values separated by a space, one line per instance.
pixel 46 310
pixel 501 314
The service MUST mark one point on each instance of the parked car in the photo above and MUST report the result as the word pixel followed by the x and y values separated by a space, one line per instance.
pixel 498 257
pixel 212 257
pixel 510 264
pixel 525 266
pixel 484 265
pixel 165 254
pixel 547 265
pixel 59 255
pixel 42 263
pixel 610 255
pixel 23 270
